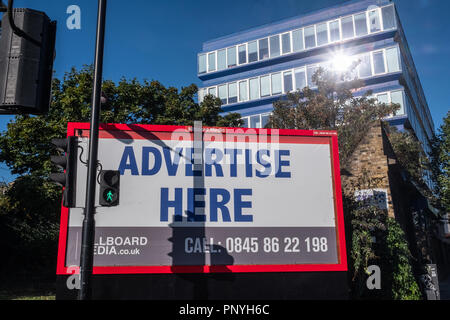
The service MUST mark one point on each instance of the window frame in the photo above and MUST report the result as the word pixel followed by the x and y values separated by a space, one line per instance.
pixel 339 30
pixel 258 86
pixel 239 90
pixel 238 54
pixel 315 37
pixel 235 57
pixel 257 51
pixel 226 59
pixel 228 92
pixel 302 37
pixel 206 63
pixel 327 34
pixel 281 83
pixel 289 34
pixel 270 85
pixel 270 46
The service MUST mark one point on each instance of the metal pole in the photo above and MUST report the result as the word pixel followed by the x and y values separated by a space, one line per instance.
pixel 88 233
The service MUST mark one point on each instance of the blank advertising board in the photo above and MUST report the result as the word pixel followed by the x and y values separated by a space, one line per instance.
pixel 214 200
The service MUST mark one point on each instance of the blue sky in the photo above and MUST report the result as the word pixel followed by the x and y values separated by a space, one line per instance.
pixel 160 39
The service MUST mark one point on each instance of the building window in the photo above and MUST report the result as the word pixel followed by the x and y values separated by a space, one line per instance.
pixel 201 95
pixel 388 15
pixel 255 121
pixel 300 79
pixel 310 71
pixel 265 86
pixel 364 67
pixel 202 63
pixel 335 33
pixel 264 119
pixel 287 81
pixel 374 21
pixel 397 97
pixel 221 59
pixel 286 43
pixel 232 92
pixel 252 51
pixel 223 94
pixel 211 61
pixel 322 34
pixel 378 62
pixel 297 40
pixel 348 30
pixel 243 94
pixel 245 125
pixel 310 37
pixel 242 54
pixel 274 46
pixel 276 83
pixel 263 49
pixel 231 57
pixel 212 91
pixel 360 24
pixel 383 98
pixel 254 88
pixel 393 64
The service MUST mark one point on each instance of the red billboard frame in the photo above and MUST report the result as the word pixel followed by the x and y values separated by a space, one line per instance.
pixel 329 136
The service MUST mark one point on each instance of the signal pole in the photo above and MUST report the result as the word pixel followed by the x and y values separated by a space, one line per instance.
pixel 88 232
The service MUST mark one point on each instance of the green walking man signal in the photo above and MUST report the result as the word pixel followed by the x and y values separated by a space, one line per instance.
pixel 109 188
pixel 109 196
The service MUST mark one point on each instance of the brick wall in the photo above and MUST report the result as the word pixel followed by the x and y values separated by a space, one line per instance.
pixel 368 167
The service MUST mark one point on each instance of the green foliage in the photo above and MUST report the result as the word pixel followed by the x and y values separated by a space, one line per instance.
pixel 30 209
pixel 442 163
pixel 331 106
pixel 398 263
pixel 29 225
pixel 376 239
pixel 410 154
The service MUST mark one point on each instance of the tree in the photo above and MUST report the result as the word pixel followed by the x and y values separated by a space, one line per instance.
pixel 29 210
pixel 442 163
pixel 331 106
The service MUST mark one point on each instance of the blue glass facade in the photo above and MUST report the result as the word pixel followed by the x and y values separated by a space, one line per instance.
pixel 251 69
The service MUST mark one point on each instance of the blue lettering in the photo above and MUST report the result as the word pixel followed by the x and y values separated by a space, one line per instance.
pixel 215 204
pixel 128 153
pixel 172 167
pixel 233 160
pixel 192 204
pixel 239 205
pixel 264 163
pixel 166 204
pixel 281 163
pixel 209 162
pixel 248 163
pixel 189 162
pixel 146 171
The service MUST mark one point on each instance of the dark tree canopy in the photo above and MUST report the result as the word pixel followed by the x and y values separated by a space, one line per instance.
pixel 25 146
pixel 30 208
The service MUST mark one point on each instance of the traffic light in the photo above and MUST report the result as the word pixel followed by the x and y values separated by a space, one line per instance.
pixel 68 162
pixel 27 50
pixel 109 188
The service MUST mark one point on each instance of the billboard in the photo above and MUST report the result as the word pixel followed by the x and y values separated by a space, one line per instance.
pixel 218 200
